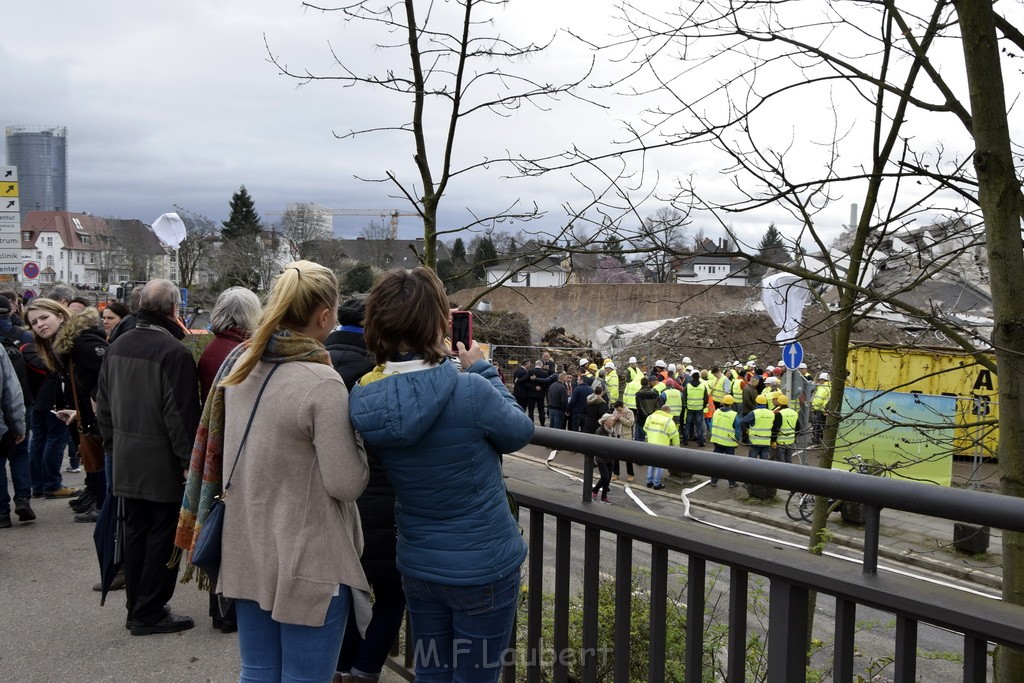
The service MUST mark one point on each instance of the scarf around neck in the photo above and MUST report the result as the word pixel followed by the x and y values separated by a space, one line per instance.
pixel 205 472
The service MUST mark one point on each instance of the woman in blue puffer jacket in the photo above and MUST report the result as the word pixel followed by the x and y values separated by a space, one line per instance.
pixel 440 434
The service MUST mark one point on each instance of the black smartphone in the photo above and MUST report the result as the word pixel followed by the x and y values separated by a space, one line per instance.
pixel 462 329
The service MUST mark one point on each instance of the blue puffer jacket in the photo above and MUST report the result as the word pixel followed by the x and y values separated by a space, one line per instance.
pixel 439 433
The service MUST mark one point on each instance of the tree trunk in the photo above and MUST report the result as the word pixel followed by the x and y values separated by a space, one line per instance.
pixel 998 195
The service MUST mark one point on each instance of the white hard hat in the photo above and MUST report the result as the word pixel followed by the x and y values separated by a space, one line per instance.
pixel 583 361
pixel 770 368
pixel 689 368
pixel 774 380
pixel 632 359
pixel 802 366
pixel 823 376
pixel 781 364
pixel 686 359
pixel 610 365
pixel 671 367
pixel 736 364
pixel 659 363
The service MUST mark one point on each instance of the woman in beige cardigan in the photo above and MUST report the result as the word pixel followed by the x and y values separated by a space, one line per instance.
pixel 292 541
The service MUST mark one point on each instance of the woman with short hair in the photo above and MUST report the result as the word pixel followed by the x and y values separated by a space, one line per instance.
pixel 233 319
pixel 440 434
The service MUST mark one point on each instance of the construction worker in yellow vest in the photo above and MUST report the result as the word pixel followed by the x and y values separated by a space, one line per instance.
pixel 629 393
pixel 720 386
pixel 819 403
pixel 696 403
pixel 611 378
pixel 673 398
pixel 724 425
pixel 633 372
pixel 784 429
pixel 760 423
pixel 660 429
pixel 772 390
pixel 736 385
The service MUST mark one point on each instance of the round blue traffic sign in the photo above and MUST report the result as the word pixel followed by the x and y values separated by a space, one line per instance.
pixel 793 355
pixel 31 270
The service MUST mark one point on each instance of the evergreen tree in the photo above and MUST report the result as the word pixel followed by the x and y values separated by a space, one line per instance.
pixel 357 279
pixel 459 251
pixel 613 247
pixel 484 256
pixel 243 221
pixel 772 240
pixel 772 248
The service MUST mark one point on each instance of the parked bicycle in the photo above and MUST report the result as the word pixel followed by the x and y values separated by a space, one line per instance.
pixel 800 506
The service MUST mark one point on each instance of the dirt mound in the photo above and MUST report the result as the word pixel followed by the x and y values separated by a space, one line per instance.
pixel 729 336
pixel 505 328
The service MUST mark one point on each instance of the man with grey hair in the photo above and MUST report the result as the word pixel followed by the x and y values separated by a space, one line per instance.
pixel 61 293
pixel 147 406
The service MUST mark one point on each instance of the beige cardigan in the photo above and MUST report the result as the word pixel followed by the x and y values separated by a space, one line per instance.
pixel 291 526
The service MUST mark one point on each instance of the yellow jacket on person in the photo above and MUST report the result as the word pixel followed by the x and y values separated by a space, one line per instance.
pixel 761 430
pixel 661 429
pixel 787 432
pixel 674 401
pixel 629 395
pixel 635 374
pixel 718 389
pixel 822 393
pixel 723 428
pixel 612 380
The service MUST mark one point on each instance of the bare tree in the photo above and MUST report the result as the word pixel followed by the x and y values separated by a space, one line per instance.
pixel 378 246
pixel 453 70
pixel 662 237
pixel 302 223
pixel 201 234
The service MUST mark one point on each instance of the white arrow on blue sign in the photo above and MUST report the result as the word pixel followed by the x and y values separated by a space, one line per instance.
pixel 793 355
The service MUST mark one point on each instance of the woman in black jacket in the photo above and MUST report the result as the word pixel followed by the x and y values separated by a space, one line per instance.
pixel 594 411
pixel 66 341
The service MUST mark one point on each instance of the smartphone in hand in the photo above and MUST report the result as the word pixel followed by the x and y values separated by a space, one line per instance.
pixel 462 329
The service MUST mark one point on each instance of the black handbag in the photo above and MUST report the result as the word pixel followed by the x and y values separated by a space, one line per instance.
pixel 206 552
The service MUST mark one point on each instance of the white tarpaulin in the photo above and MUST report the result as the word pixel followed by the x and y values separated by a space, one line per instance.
pixel 784 296
pixel 170 229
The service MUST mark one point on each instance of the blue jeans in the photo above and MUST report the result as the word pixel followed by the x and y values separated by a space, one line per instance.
pixel 694 426
pixel 17 460
pixel 762 452
pixel 49 439
pixel 556 418
pixel 654 475
pixel 272 651
pixel 461 633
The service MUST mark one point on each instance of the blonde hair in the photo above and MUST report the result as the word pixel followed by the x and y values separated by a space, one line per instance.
pixel 44 347
pixel 301 288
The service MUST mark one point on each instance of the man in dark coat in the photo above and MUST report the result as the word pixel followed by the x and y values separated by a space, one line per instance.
pixel 365 656
pixel 148 412
pixel 539 380
pixel 521 385
pixel 558 401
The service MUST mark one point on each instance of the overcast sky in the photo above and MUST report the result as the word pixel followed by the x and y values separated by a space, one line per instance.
pixel 176 103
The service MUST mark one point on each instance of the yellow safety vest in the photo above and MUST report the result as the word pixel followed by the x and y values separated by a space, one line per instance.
pixel 629 395
pixel 723 428
pixel 612 380
pixel 695 397
pixel 787 432
pixel 718 389
pixel 821 396
pixel 661 429
pixel 761 430
pixel 659 387
pixel 770 395
pixel 674 401
pixel 737 390
pixel 635 374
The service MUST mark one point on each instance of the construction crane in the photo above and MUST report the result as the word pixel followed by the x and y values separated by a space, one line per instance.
pixel 392 214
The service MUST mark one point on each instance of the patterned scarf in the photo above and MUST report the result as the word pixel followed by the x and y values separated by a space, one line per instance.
pixel 205 475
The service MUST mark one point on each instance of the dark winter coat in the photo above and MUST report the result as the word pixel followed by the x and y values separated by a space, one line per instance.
pixel 595 409
pixel 647 402
pixel 127 324
pixel 213 357
pixel 558 396
pixel 148 409
pixel 377 502
pixel 521 383
pixel 578 400
pixel 80 340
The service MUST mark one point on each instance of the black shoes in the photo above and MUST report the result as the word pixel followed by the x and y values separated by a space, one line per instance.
pixel 658 487
pixel 5 521
pixel 172 623
pixel 23 510
pixel 650 484
pixel 88 517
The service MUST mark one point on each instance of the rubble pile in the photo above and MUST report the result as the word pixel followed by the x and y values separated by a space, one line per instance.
pixel 501 328
pixel 557 338
pixel 736 335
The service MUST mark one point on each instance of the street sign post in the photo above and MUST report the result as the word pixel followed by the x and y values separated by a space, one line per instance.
pixel 31 270
pixel 793 355
pixel 10 223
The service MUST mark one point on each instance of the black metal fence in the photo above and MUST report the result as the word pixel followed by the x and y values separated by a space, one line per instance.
pixel 793 575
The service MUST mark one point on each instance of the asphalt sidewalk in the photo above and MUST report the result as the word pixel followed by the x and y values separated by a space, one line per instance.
pixel 905 538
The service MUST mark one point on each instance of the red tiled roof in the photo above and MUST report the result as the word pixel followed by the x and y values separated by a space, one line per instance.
pixel 63 223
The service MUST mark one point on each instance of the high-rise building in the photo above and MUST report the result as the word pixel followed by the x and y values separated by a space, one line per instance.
pixel 41 155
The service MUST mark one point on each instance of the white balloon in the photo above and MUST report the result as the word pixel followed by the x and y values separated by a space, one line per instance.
pixel 170 229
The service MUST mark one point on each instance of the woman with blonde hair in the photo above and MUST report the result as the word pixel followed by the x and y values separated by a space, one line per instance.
pixel 440 434
pixel 291 535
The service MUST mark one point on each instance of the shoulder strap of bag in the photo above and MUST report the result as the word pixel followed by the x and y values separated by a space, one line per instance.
pixel 245 434
pixel 74 395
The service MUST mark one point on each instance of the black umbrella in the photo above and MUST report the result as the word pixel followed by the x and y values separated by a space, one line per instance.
pixel 109 539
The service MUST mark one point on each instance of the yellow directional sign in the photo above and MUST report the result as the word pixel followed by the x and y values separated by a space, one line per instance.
pixel 8 189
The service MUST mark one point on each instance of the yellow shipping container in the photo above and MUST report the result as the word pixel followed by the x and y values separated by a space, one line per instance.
pixel 938 372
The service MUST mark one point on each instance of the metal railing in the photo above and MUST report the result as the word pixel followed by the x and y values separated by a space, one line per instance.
pixel 793 574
